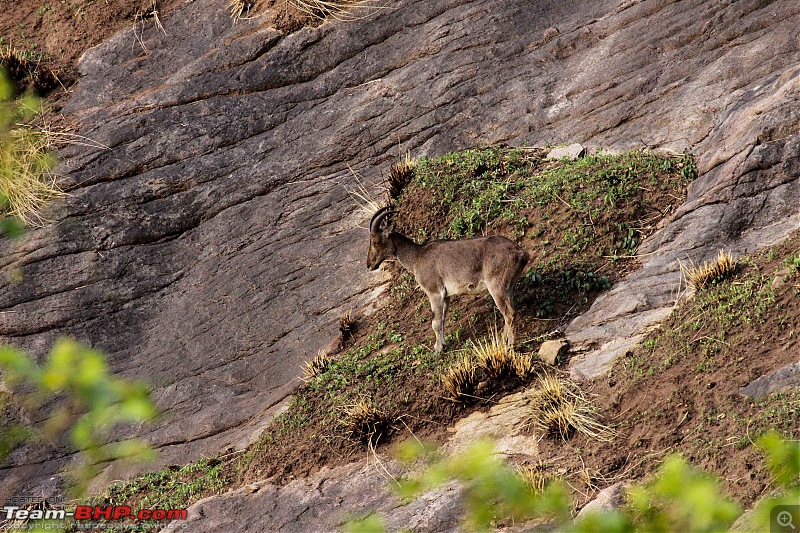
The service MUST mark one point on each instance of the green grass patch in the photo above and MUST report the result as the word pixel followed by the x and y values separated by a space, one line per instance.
pixel 599 206
pixel 680 390
pixel 705 326
pixel 171 488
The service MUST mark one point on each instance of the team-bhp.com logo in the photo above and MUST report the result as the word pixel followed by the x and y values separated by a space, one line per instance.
pixel 93 512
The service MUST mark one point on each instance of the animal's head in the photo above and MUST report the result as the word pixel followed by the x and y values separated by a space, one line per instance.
pixel 381 247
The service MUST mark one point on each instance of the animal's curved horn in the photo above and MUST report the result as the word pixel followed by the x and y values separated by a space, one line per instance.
pixel 378 217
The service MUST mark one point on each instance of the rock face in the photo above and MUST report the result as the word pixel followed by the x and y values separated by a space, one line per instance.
pixel 552 352
pixel 209 244
pixel 783 378
pixel 323 502
pixel 608 499
pixel 572 152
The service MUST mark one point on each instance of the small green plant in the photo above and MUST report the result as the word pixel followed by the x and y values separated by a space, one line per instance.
pixel 586 281
pixel 793 263
pixel 544 309
pixel 530 278
pixel 687 166
pixel 628 240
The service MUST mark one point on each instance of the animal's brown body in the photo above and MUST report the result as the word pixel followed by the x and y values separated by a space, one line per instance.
pixel 444 268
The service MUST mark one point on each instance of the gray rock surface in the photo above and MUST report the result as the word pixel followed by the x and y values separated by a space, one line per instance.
pixel 608 499
pixel 553 351
pixel 210 246
pixel 571 152
pixel 783 378
pixel 323 502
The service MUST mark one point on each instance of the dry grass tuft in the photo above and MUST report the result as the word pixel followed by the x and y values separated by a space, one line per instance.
pixel 709 273
pixel 347 324
pixel 150 12
pixel 240 9
pixel 26 183
pixel 366 202
pixel 523 365
pixel 557 406
pixel 346 10
pixel 494 355
pixel 536 476
pixel 365 421
pixel 400 173
pixel 316 366
pixel 460 379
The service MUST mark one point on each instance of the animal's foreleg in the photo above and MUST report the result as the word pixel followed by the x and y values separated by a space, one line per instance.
pixel 438 306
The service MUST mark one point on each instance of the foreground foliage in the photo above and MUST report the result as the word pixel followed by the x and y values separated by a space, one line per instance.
pixel 80 398
pixel 679 497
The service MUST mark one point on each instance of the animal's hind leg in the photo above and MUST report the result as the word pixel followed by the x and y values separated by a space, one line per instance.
pixel 503 300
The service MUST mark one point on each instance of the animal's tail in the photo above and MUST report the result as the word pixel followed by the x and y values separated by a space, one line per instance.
pixel 526 260
pixel 524 264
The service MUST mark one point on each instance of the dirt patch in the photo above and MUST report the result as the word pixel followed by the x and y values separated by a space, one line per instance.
pixel 678 391
pixel 288 18
pixel 381 368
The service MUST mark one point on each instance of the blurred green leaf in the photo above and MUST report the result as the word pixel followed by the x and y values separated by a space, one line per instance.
pixel 680 497
pixel 783 458
pixel 6 86
pixel 10 225
pixel 90 402
pixel 373 523
pixel 17 366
